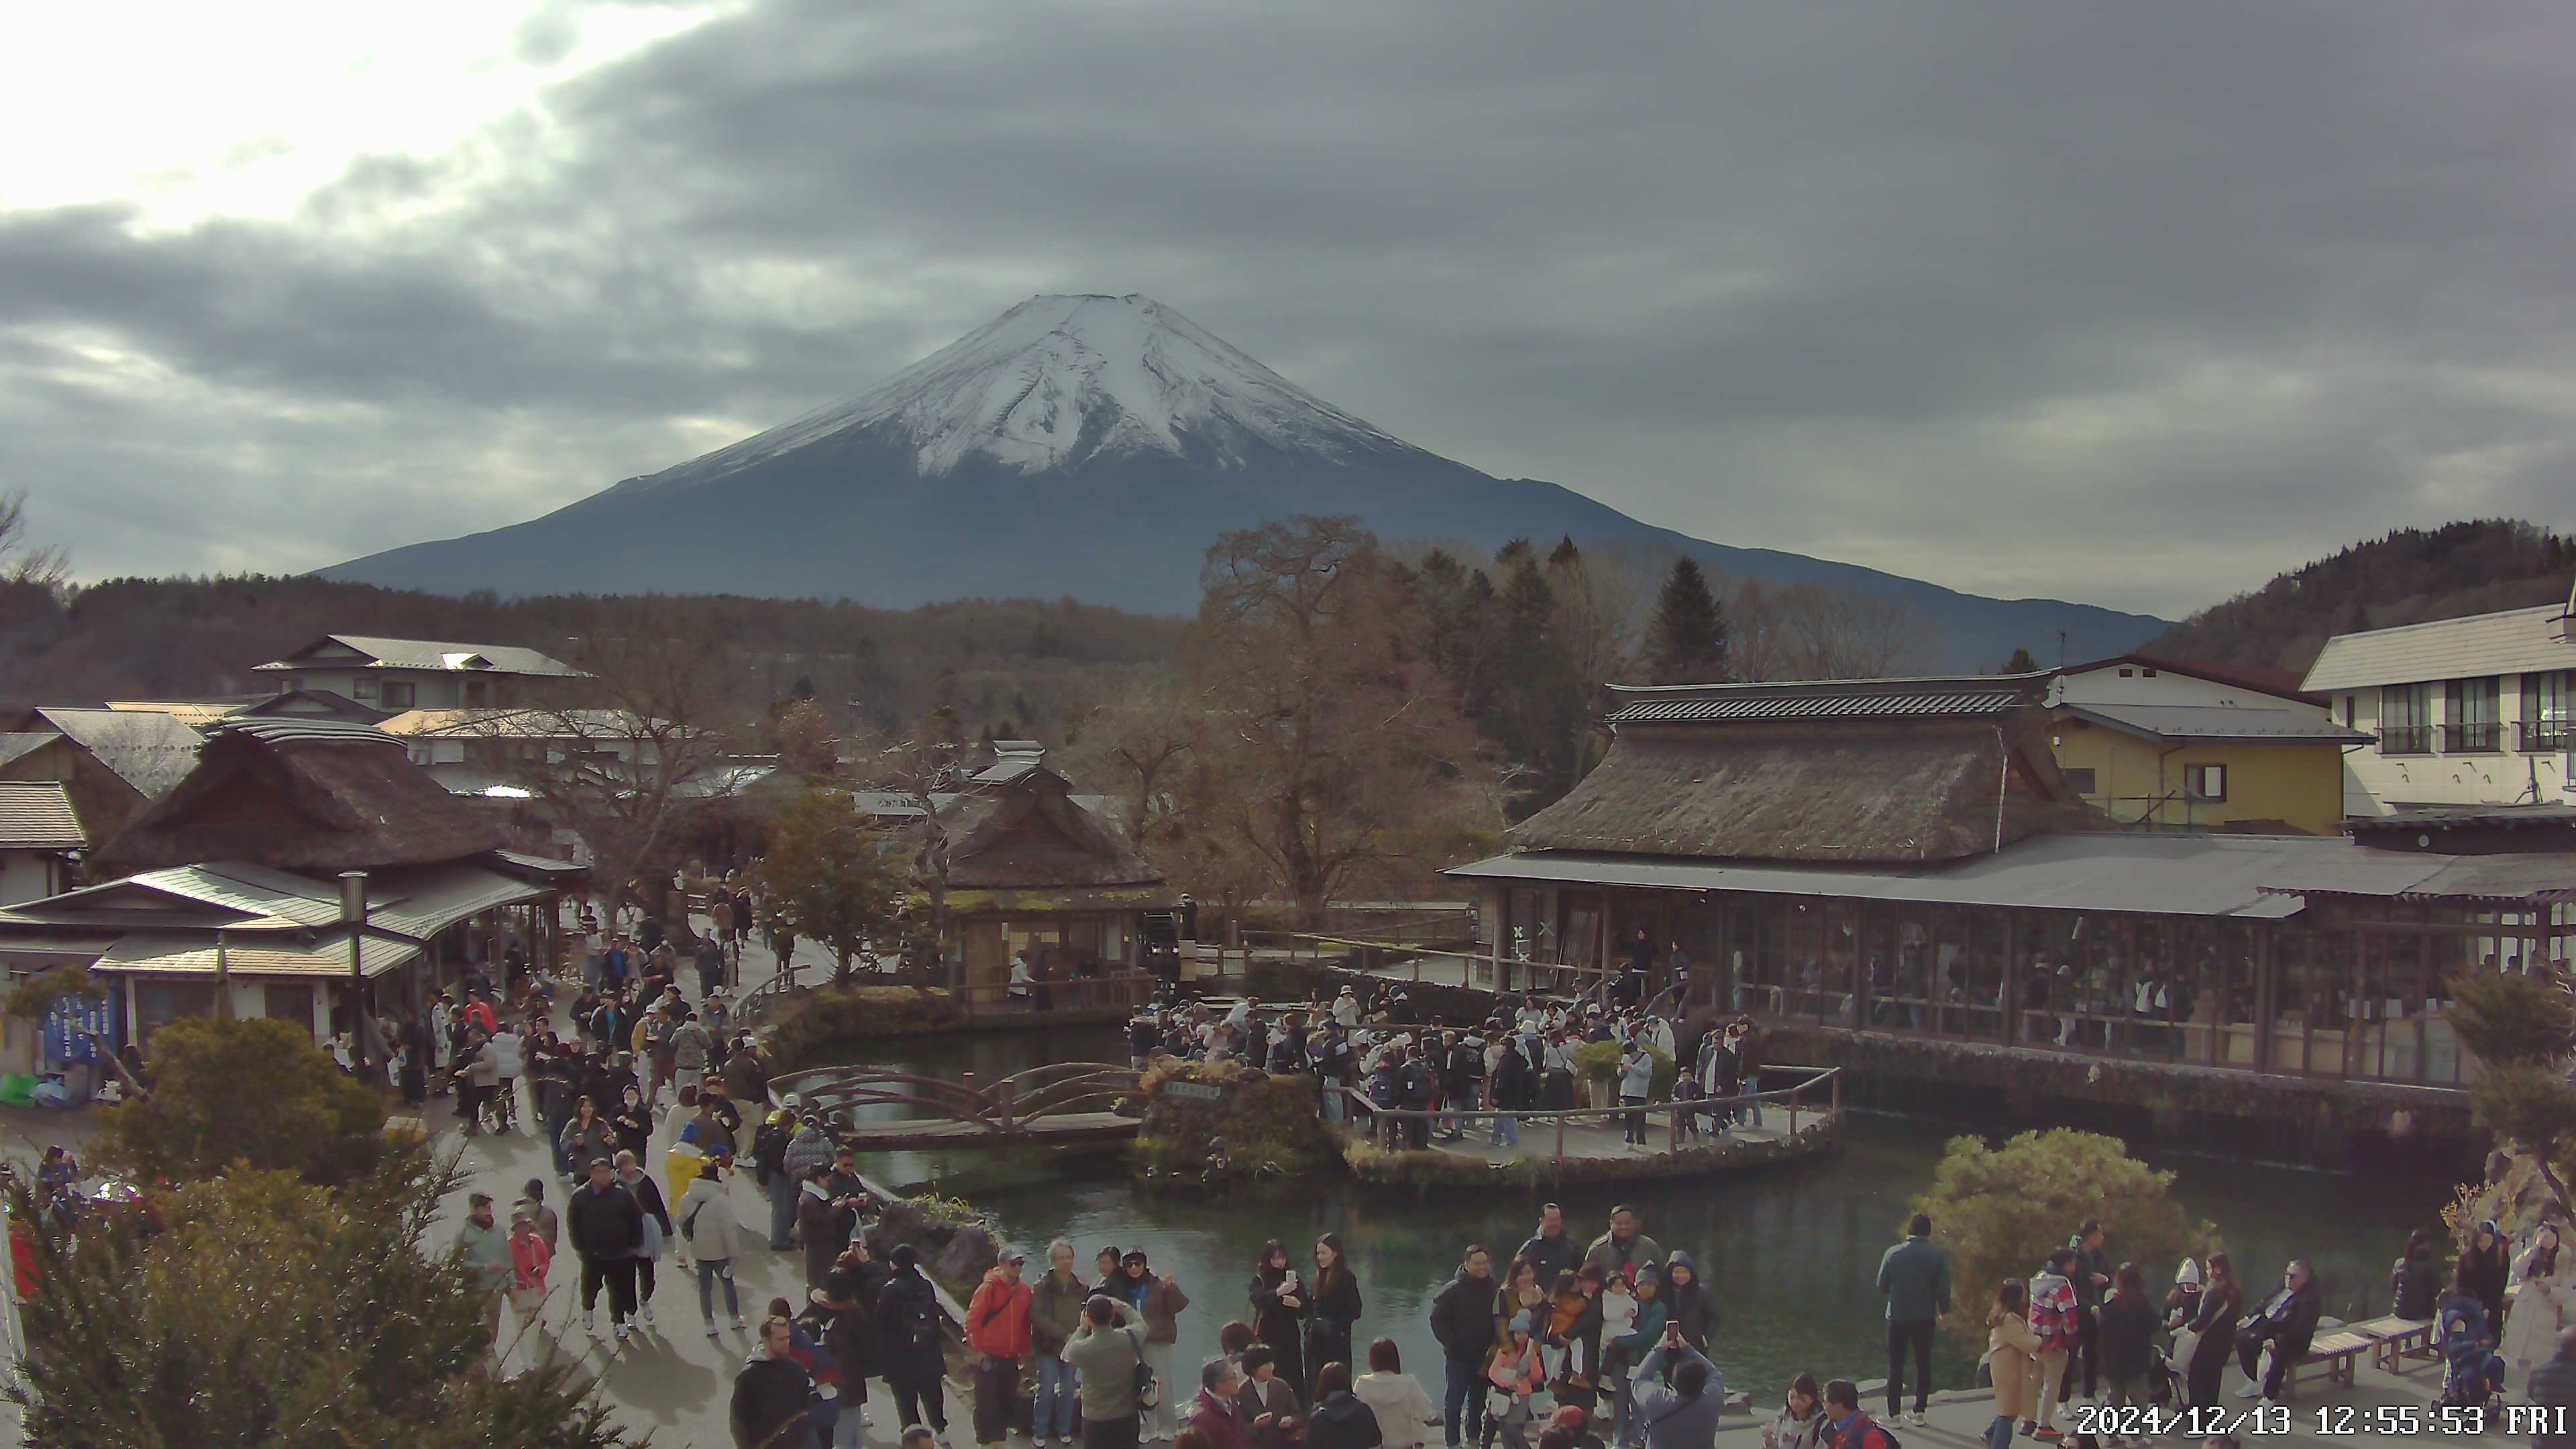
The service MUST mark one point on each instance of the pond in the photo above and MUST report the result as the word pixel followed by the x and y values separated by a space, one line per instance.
pixel 1790 1253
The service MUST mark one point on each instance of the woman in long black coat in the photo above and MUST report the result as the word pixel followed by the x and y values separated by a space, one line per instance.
pixel 2484 1271
pixel 1335 1307
pixel 1278 1312
pixel 2221 1302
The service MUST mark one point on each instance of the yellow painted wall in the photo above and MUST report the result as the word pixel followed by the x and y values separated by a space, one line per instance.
pixel 2297 782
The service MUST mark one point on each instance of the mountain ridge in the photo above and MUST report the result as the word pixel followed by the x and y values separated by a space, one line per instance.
pixel 1092 446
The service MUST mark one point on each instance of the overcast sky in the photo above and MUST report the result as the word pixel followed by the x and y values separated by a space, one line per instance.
pixel 2136 304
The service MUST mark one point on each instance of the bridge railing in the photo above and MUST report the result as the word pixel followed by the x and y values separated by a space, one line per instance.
pixel 1801 1097
pixel 1009 1105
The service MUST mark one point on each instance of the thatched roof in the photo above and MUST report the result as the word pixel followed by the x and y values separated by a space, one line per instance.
pixel 297 796
pixel 1869 789
pixel 1029 833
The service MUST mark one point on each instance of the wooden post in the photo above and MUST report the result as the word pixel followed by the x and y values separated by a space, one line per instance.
pixel 1002 1095
pixel 1838 1095
pixel 970 1087
pixel 1793 1108
pixel 1560 1136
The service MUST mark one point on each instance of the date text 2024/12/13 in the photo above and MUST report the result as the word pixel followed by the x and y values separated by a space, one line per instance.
pixel 2326 1420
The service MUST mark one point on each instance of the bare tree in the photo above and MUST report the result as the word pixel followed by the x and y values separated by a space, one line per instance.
pixel 1817 631
pixel 44 566
pixel 1139 743
pixel 1333 755
pixel 623 770
pixel 924 768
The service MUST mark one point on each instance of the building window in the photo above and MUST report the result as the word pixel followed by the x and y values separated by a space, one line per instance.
pixel 2127 673
pixel 399 693
pixel 2406 719
pixel 2471 725
pixel 2146 674
pixel 2545 722
pixel 2205 782
pixel 362 688
pixel 2347 711
pixel 2080 781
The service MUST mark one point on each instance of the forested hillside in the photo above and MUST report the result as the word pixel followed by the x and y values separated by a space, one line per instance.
pixel 1016 662
pixel 2406 577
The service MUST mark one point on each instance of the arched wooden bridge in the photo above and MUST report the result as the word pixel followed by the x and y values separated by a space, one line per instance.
pixel 1061 1103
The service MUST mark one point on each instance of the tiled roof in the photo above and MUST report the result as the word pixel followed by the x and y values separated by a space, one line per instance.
pixel 37 815
pixel 2217 722
pixel 1917 698
pixel 150 751
pixel 2515 641
pixel 432 654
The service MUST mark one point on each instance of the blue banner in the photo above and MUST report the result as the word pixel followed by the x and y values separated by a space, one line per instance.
pixel 71 1017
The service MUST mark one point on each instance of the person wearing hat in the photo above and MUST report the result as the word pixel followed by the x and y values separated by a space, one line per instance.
pixel 1517 1369
pixel 997 1327
pixel 1158 1299
pixel 531 1256
pixel 912 1339
pixel 606 1226
pixel 485 1251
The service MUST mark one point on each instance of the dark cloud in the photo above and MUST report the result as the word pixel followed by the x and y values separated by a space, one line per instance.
pixel 2133 303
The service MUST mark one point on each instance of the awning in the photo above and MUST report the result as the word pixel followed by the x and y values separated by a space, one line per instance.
pixel 2521 879
pixel 190 955
pixel 2166 875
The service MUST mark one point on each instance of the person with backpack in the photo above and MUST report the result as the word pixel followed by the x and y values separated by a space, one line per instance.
pixel 2053 1310
pixel 1108 1361
pixel 769 1172
pixel 1915 1277
pixel 910 1336
pixel 997 1327
pixel 709 1228
pixel 1847 1425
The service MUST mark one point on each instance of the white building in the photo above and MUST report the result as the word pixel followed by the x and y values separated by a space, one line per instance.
pixel 394 675
pixel 2470 711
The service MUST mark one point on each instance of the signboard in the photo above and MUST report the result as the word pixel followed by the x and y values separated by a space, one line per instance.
pixel 71 1017
pixel 1194 1091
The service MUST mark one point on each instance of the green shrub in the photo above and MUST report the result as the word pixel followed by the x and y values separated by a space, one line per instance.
pixel 2002 1211
pixel 2504 1017
pixel 1260 1126
pixel 1599 1061
pixel 253 1092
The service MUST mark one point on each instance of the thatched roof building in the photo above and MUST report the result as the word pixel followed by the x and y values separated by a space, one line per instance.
pixel 1032 872
pixel 302 795
pixel 1880 771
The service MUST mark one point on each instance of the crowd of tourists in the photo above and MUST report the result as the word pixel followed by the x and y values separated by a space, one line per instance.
pixel 1375 1058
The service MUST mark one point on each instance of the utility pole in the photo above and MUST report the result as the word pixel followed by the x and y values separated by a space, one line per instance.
pixel 353 914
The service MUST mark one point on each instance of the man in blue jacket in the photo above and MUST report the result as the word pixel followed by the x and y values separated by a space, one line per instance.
pixel 1915 1276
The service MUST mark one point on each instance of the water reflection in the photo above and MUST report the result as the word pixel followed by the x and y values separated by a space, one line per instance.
pixel 1789 1253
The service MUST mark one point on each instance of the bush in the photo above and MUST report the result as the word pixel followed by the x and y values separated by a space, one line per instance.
pixel 1260 1127
pixel 2505 1018
pixel 254 1092
pixel 274 1312
pixel 2001 1212
pixel 1599 1061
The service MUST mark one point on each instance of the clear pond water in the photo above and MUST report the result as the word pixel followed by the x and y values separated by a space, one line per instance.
pixel 1790 1253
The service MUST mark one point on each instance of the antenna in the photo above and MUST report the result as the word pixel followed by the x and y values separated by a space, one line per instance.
pixel 2061 649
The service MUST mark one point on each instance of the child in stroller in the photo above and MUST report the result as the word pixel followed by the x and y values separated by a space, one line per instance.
pixel 2472 1371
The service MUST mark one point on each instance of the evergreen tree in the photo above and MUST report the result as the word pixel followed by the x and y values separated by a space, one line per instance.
pixel 2021 662
pixel 1686 639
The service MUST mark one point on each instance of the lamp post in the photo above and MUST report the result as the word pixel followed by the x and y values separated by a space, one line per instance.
pixel 353 914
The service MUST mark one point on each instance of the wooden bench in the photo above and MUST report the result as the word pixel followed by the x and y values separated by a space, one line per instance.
pixel 2395 1340
pixel 2338 1354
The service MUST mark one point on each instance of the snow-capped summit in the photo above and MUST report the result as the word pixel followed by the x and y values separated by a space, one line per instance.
pixel 1057 381
pixel 1088 448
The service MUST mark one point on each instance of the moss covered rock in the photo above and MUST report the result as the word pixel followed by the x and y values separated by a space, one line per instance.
pixel 1224 1123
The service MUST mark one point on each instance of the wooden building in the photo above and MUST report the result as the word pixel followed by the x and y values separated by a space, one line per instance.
pixel 228 893
pixel 1904 858
pixel 1031 870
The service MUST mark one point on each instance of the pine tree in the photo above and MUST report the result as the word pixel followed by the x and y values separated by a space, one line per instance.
pixel 2021 662
pixel 1686 639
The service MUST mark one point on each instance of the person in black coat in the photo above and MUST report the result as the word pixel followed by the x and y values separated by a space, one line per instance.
pixel 1341 1420
pixel 1687 1301
pixel 1552 1250
pixel 2286 1325
pixel 1278 1306
pixel 1332 1311
pixel 771 1393
pixel 844 1317
pixel 606 1226
pixel 1462 1319
pixel 2416 1285
pixel 2220 1300
pixel 911 1340
pixel 2126 1332
pixel 2484 1271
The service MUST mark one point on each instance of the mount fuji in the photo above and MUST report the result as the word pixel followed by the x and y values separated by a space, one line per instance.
pixel 1092 447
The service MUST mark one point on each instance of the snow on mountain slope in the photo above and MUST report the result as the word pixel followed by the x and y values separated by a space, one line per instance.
pixel 1056 381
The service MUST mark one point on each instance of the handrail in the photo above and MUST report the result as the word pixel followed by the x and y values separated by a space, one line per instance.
pixel 1674 1110
pixel 1419 951
pixel 1008 1105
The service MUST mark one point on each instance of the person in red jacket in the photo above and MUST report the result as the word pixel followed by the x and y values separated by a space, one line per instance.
pixel 997 1327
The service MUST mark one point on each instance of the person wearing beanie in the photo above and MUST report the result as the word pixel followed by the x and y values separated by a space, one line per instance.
pixel 1518 1369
